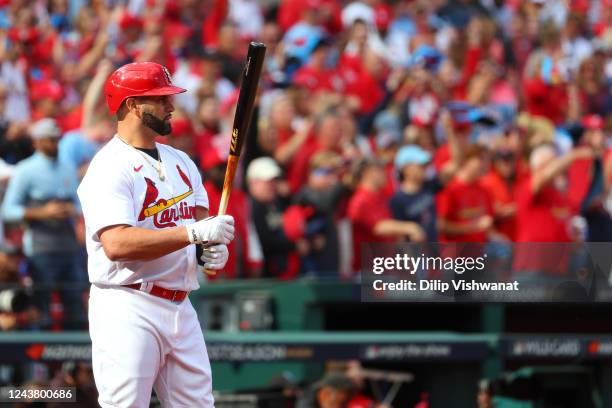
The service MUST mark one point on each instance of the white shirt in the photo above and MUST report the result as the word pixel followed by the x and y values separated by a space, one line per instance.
pixel 248 15
pixel 17 100
pixel 121 186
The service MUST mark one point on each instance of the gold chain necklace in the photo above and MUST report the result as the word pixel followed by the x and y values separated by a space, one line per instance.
pixel 158 167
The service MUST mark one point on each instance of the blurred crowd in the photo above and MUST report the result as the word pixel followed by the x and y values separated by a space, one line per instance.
pixel 376 121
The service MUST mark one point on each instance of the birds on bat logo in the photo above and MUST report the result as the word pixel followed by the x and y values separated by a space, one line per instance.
pixel 234 141
pixel 165 213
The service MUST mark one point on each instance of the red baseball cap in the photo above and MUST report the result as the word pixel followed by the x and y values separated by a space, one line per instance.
pixel 593 122
pixel 47 88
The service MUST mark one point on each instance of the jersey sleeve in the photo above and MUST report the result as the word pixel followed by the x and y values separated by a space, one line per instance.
pixel 106 198
pixel 201 196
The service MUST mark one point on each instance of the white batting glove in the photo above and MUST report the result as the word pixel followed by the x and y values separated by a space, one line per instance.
pixel 215 256
pixel 212 230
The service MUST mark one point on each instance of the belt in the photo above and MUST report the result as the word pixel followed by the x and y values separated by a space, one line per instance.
pixel 172 295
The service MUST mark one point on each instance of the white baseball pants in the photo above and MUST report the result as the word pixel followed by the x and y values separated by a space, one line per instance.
pixel 141 342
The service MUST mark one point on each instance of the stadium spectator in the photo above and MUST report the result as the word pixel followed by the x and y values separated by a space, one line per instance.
pixel 80 376
pixel 545 77
pixel 593 86
pixel 415 199
pixel 201 73
pixel 79 145
pixel 322 193
pixel 228 48
pixel 332 391
pixel 281 255
pixel 544 212
pixel 15 144
pixel 370 216
pixel 543 66
pixel 501 182
pixel 207 123
pixel 42 193
pixel 545 215
pixel 315 75
pixel 465 209
pixel 587 183
pixel 327 134
pixel 485 395
pixel 16 308
pixel 281 124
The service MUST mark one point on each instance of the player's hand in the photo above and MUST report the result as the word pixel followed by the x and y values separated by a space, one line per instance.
pixel 212 230
pixel 215 256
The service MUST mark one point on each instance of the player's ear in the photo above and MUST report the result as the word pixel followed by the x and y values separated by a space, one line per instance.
pixel 132 106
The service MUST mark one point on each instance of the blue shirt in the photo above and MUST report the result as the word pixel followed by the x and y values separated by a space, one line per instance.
pixel 419 207
pixel 36 181
pixel 76 149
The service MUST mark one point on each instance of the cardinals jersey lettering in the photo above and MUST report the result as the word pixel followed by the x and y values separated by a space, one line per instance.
pixel 122 187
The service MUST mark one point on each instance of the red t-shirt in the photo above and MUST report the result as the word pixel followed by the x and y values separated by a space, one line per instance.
pixel 501 194
pixel 462 202
pixel 315 80
pixel 365 209
pixel 360 83
pixel 579 179
pixel 542 217
pixel 549 101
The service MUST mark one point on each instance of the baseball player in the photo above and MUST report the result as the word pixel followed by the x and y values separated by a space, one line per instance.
pixel 144 207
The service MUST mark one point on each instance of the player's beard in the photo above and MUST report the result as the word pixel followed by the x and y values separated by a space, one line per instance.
pixel 159 126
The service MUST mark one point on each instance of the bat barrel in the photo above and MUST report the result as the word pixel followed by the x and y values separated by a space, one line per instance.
pixel 248 90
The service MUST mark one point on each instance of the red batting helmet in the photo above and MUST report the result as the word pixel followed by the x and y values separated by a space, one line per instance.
pixel 138 79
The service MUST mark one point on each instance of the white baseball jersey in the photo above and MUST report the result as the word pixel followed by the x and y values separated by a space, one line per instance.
pixel 122 187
